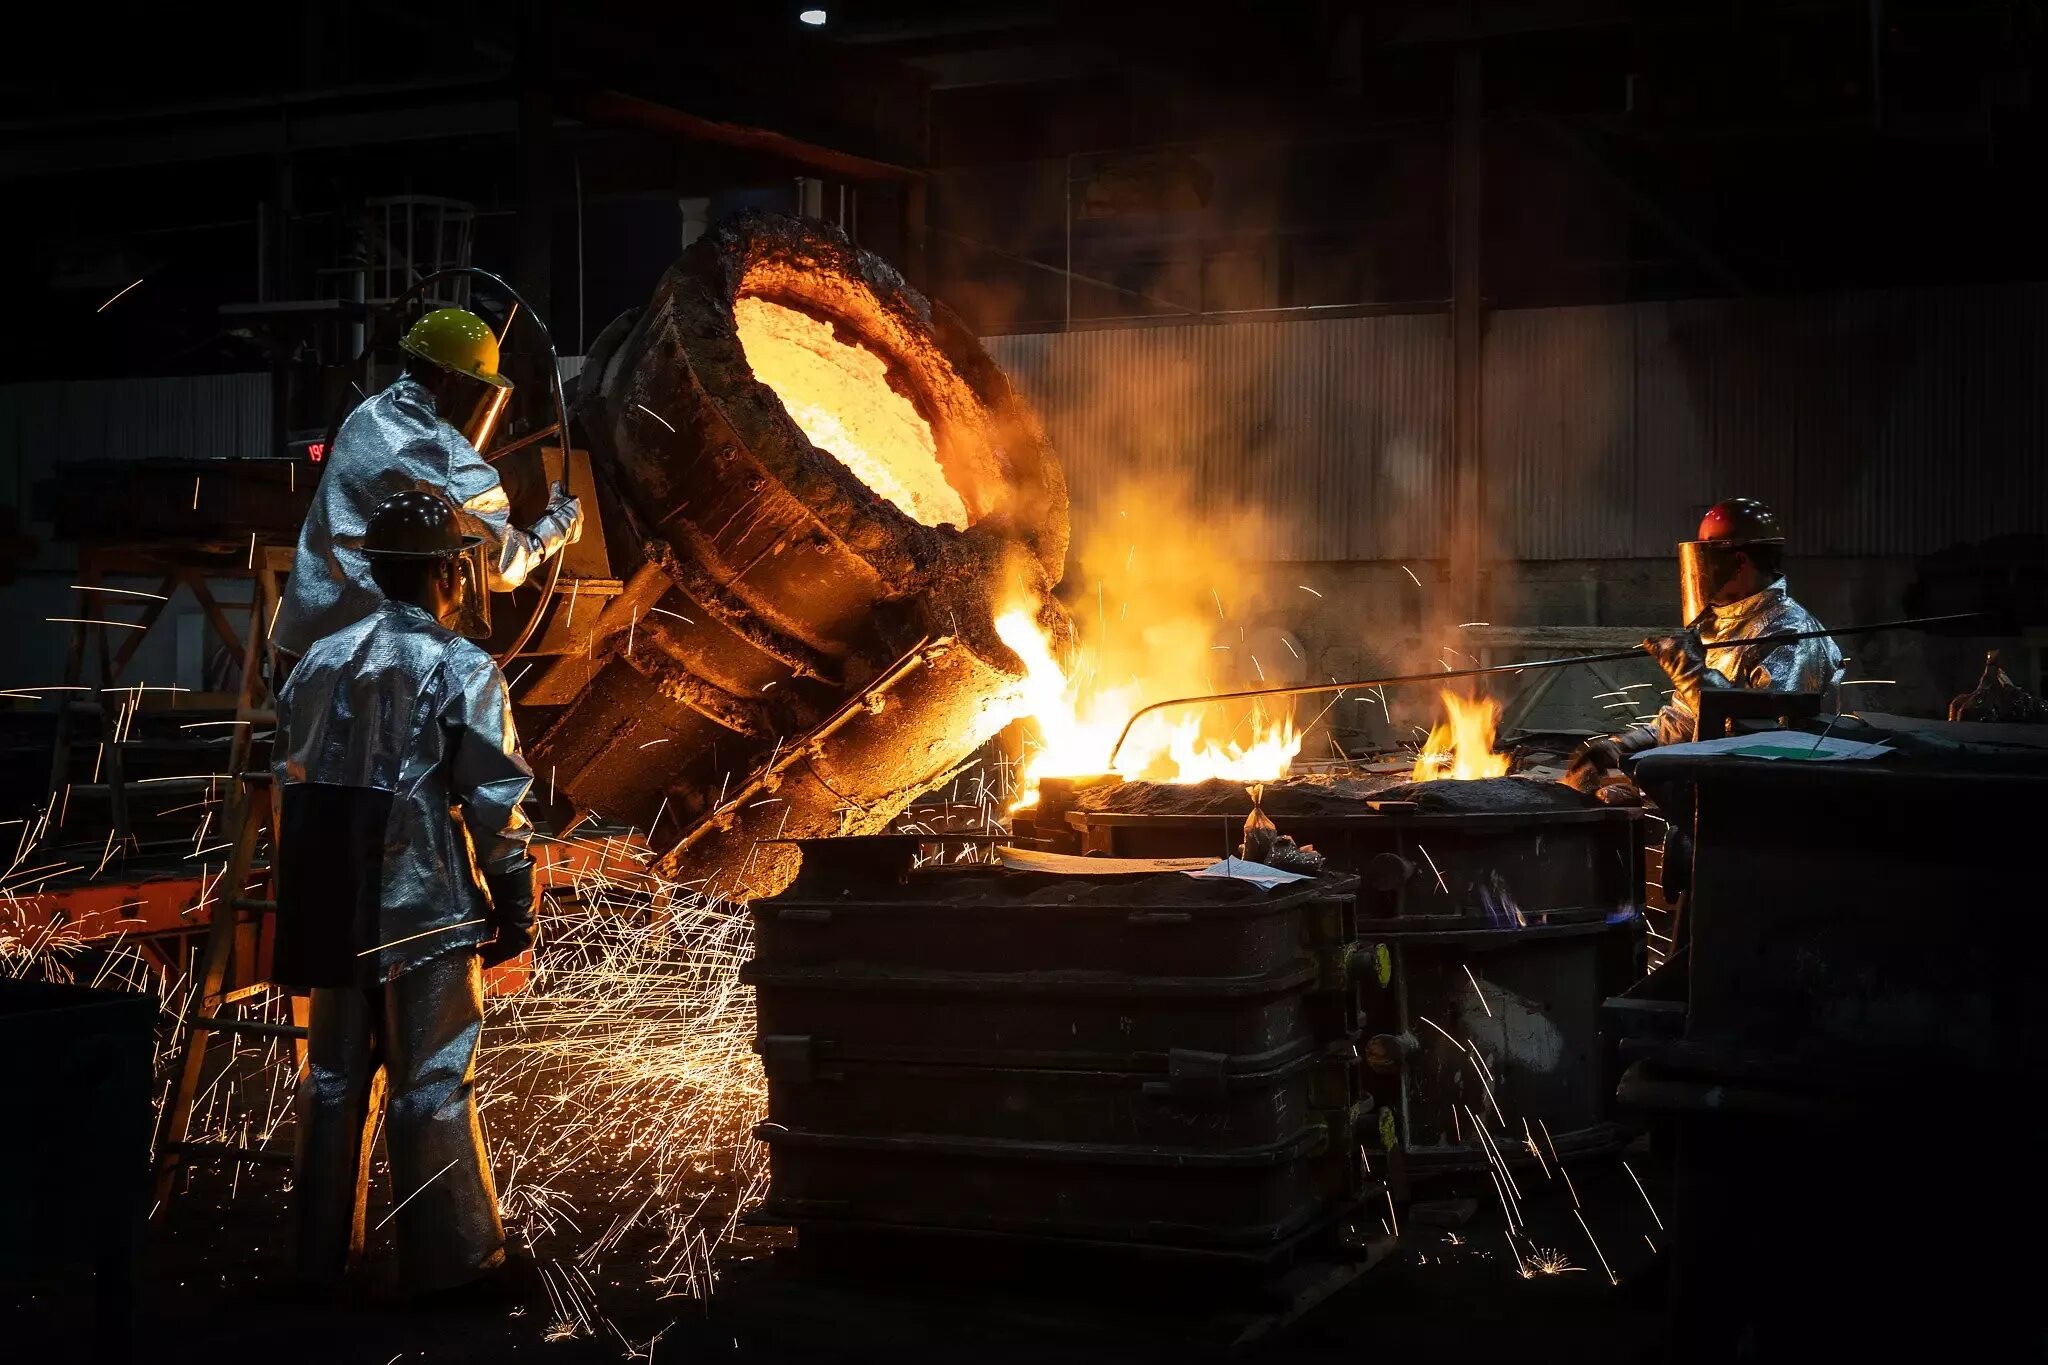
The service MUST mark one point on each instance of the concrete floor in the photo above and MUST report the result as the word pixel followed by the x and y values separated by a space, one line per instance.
pixel 214 1290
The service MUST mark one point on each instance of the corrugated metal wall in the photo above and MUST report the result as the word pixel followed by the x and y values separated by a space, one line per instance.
pixel 1336 430
pixel 1880 423
pixel 195 417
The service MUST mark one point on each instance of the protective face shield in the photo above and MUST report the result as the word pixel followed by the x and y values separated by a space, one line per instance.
pixel 483 420
pixel 1708 563
pixel 471 615
pixel 463 343
pixel 1704 568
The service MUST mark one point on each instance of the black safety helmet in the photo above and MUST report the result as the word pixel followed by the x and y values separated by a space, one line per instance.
pixel 415 525
pixel 1730 530
pixel 419 525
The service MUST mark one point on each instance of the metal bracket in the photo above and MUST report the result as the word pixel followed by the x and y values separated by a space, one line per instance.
pixel 790 1057
pixel 1196 1075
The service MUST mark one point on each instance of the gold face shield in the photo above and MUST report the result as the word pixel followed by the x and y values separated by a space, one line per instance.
pixel 472 616
pixel 1704 568
pixel 482 423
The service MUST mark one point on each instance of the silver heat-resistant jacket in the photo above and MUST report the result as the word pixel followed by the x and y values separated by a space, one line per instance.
pixel 399 779
pixel 1802 666
pixel 393 443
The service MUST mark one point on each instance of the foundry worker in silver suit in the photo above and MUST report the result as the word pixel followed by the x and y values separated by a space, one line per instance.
pixel 421 432
pixel 1732 580
pixel 402 870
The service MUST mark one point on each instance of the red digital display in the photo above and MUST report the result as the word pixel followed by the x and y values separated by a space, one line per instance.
pixel 316 451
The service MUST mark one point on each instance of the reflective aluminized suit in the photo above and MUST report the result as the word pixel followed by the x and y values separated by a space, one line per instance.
pixel 397 772
pixel 1802 666
pixel 391 443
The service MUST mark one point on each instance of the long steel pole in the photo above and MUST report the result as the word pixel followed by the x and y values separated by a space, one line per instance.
pixel 1569 661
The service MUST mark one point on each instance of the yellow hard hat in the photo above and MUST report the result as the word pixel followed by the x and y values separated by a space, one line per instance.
pixel 458 340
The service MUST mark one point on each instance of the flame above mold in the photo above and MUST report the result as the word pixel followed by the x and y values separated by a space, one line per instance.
pixel 1077 723
pixel 1461 746
pixel 838 393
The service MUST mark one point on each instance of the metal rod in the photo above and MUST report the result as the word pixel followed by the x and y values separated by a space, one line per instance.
pixel 1569 661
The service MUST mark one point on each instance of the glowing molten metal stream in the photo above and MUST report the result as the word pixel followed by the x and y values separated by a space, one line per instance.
pixel 1461 746
pixel 838 393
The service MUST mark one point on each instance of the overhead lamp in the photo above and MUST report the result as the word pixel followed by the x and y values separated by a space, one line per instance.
pixel 814 17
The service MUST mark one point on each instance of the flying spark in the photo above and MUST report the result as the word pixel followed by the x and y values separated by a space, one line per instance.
pixel 117 294
pixel 1476 991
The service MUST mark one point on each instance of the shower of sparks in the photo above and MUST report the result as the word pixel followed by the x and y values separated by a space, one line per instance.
pixel 1476 991
pixel 1549 1261
pixel 625 1069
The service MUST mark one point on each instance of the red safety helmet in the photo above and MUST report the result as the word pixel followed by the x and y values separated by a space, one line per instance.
pixel 1741 521
pixel 1706 565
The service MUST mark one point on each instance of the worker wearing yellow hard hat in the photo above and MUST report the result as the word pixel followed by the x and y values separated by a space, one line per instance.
pixel 457 339
pixel 425 431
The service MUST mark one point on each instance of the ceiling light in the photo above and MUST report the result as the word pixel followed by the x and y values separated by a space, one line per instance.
pixel 814 17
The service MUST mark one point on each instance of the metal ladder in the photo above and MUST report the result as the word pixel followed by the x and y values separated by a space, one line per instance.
pixel 209 1007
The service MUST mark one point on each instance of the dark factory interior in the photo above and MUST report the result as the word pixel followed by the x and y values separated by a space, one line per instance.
pixel 717 682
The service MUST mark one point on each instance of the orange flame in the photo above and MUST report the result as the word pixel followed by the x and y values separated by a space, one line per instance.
pixel 1461 747
pixel 1078 722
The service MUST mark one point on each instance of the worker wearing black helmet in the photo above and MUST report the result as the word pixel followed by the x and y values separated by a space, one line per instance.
pixel 402 868
pixel 423 431
pixel 1732 582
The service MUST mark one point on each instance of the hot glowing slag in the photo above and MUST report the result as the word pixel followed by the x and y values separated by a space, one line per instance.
pixel 1461 746
pixel 838 393
pixel 1077 722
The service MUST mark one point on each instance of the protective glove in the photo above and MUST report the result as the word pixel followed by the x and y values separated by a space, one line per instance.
pixel 1684 660
pixel 1591 761
pixel 513 895
pixel 1681 656
pixel 561 524
pixel 506 946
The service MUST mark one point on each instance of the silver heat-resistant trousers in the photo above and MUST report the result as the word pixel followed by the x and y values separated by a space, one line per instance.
pixel 421 1029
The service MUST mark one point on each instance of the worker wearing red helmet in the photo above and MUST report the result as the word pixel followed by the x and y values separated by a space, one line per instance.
pixel 1732 581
